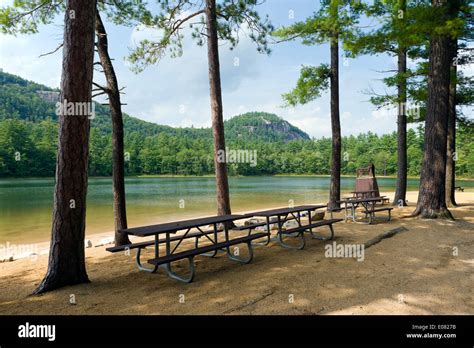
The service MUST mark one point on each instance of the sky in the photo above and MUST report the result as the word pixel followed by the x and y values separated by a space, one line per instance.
pixel 175 92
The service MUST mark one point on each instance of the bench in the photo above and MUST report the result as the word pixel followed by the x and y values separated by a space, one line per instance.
pixel 376 210
pixel 303 228
pixel 299 231
pixel 190 254
pixel 141 245
pixel 459 188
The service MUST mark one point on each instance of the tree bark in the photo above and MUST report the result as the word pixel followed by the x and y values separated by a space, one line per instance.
pixel 451 149
pixel 118 165
pixel 66 264
pixel 402 163
pixel 431 199
pixel 335 186
pixel 222 185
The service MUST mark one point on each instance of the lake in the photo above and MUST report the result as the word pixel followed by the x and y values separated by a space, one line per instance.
pixel 26 204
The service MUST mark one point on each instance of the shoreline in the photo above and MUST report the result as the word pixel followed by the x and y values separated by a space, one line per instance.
pixel 101 239
pixel 418 265
pixel 152 176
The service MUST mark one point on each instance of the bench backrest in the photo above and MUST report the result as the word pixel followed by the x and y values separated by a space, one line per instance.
pixel 366 180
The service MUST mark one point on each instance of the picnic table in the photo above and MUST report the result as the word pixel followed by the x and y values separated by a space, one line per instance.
pixel 281 215
pixel 364 194
pixel 369 194
pixel 170 229
pixel 367 204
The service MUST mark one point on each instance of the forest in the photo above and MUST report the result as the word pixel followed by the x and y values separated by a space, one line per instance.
pixel 170 154
pixel 28 143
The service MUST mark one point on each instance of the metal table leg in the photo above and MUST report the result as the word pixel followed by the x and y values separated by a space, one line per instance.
pixel 286 245
pixel 141 267
pixel 170 272
pixel 189 278
pixel 268 237
pixel 247 259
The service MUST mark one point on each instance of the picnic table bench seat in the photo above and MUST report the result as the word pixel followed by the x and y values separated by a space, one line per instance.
pixel 303 228
pixel 371 212
pixel 205 249
pixel 309 228
pixel 190 254
pixel 130 246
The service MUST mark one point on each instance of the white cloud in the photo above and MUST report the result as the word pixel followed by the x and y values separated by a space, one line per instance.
pixel 20 55
pixel 142 32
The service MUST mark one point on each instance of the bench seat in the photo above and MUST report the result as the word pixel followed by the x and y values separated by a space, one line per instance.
pixel 205 249
pixel 379 209
pixel 303 228
pixel 375 210
pixel 197 234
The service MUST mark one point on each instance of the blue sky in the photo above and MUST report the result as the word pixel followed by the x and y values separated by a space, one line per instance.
pixel 176 91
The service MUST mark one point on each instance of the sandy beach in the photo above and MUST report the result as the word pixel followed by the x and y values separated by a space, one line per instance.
pixel 428 269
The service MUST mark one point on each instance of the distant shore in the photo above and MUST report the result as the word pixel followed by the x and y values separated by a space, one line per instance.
pixel 232 176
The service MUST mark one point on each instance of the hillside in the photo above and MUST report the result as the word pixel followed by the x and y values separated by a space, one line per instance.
pixel 30 101
pixel 29 133
pixel 262 125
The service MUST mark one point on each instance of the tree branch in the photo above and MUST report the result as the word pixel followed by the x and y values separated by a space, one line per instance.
pixel 48 53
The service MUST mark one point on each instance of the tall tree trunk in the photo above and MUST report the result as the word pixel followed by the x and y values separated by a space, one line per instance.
pixel 222 185
pixel 431 199
pixel 118 165
pixel 335 187
pixel 402 164
pixel 451 149
pixel 66 264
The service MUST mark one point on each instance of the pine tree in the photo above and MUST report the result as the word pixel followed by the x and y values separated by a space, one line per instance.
pixel 335 21
pixel 66 264
pixel 213 23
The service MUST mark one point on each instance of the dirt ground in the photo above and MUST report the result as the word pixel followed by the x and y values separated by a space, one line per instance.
pixel 427 269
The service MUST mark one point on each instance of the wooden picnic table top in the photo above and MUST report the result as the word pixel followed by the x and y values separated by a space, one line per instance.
pixel 172 227
pixel 288 210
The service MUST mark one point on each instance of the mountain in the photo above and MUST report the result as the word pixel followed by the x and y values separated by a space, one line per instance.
pixel 30 101
pixel 29 136
pixel 262 125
